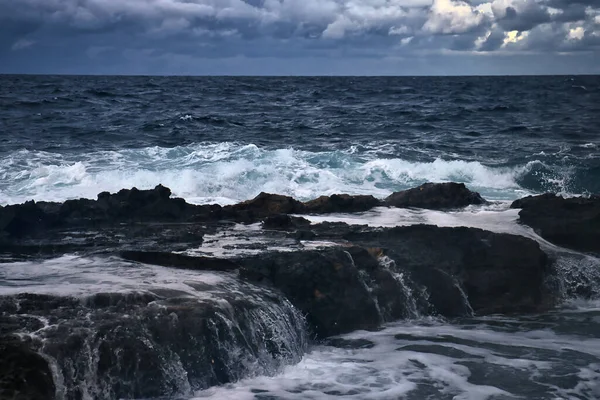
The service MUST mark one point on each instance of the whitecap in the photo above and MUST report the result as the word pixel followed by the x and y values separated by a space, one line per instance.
pixel 230 172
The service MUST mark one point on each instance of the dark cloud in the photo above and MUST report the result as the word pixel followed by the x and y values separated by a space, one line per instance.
pixel 175 34
pixel 571 13
pixel 493 41
pixel 520 15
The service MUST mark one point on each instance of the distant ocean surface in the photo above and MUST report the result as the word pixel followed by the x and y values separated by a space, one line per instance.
pixel 226 139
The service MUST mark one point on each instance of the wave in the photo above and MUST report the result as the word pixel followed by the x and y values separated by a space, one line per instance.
pixel 230 172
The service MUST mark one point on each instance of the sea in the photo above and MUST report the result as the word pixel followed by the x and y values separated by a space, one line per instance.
pixel 226 139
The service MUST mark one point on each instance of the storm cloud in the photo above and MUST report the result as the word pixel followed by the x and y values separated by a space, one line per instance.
pixel 212 36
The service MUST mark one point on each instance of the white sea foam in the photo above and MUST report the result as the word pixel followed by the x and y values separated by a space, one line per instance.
pixel 72 275
pixel 431 359
pixel 226 173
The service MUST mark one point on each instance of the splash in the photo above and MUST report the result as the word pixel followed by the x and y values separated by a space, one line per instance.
pixel 229 172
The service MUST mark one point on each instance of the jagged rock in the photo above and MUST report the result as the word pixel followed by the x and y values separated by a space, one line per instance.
pixel 24 373
pixel 156 205
pixel 129 205
pixel 341 203
pixel 325 285
pixel 571 222
pixel 180 261
pixel 435 196
pixel 264 205
pixel 19 220
pixel 285 222
pixel 498 273
pixel 451 272
pixel 110 209
pixel 338 289
pixel 163 344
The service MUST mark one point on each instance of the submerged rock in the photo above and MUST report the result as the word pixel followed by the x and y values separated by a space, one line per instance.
pixel 435 196
pixel 571 222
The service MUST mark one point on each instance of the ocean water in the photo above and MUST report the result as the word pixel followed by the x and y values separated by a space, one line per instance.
pixel 227 139
pixel 224 140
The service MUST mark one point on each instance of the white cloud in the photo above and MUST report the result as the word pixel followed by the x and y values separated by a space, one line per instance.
pixel 400 30
pixel 514 37
pixel 406 40
pixel 452 17
pixel 22 44
pixel 576 33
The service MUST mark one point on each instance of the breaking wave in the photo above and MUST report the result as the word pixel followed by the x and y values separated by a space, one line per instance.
pixel 231 172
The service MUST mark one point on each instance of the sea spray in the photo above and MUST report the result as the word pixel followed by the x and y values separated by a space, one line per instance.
pixel 230 172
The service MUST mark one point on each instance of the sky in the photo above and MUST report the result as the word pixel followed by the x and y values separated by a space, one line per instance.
pixel 300 37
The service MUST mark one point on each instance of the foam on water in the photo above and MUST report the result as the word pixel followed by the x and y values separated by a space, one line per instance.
pixel 71 275
pixel 230 172
pixel 478 359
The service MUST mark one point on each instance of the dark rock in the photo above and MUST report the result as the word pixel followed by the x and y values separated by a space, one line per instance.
pixel 263 205
pixel 285 222
pixel 341 203
pixel 352 344
pixel 304 234
pixel 126 206
pixel 325 285
pixel 24 373
pixel 498 273
pixel 180 261
pixel 147 345
pixel 572 222
pixel 19 220
pixel 156 205
pixel 435 196
pixel 336 230
pixel 338 289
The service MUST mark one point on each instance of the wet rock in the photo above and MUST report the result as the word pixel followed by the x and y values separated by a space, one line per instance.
pixel 19 220
pixel 498 273
pixel 435 196
pixel 341 203
pixel 338 289
pixel 147 345
pixel 263 205
pixel 180 261
pixel 110 209
pixel 352 344
pixel 157 206
pixel 285 222
pixel 324 285
pixel 572 222
pixel 303 234
pixel 24 373
pixel 128 205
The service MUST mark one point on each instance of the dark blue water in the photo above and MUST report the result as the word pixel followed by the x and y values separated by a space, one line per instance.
pixel 65 137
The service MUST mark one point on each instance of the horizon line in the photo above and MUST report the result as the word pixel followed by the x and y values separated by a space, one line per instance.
pixel 2 74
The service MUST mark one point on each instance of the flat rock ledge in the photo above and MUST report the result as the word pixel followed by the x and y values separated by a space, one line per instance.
pixel 569 222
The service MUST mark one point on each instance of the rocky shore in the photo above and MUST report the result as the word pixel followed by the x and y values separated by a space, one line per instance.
pixel 361 279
